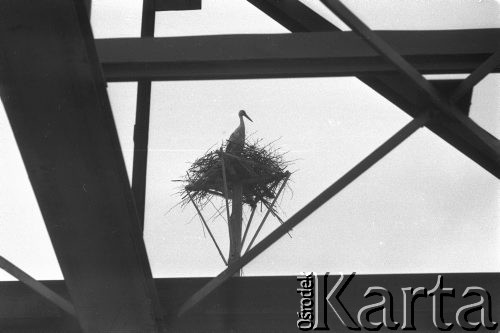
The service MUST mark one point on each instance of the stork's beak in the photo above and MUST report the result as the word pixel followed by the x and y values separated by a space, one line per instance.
pixel 246 116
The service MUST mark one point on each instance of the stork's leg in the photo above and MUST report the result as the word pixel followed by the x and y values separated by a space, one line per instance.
pixel 235 224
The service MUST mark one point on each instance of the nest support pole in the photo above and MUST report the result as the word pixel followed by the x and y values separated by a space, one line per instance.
pixel 235 224
pixel 235 219
pixel 224 179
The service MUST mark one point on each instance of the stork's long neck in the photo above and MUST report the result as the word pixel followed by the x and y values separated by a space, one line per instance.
pixel 242 124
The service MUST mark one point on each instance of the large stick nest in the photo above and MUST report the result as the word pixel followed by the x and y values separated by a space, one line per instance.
pixel 260 169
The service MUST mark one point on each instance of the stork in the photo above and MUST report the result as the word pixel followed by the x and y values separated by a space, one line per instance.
pixel 237 139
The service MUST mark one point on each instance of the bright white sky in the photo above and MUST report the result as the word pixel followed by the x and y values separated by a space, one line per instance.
pixel 424 208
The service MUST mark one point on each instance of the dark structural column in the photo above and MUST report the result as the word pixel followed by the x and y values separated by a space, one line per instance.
pixel 235 224
pixel 55 97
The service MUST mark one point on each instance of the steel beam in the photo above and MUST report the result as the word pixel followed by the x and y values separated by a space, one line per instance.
pixel 265 303
pixel 475 77
pixel 62 121
pixel 318 54
pixel 293 15
pixel 434 98
pixel 401 93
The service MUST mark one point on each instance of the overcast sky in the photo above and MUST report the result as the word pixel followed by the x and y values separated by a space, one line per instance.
pixel 423 208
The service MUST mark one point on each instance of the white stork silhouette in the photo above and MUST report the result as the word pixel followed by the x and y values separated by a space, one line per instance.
pixel 237 139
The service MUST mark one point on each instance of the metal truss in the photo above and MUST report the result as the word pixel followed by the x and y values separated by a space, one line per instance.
pixel 99 246
pixel 438 104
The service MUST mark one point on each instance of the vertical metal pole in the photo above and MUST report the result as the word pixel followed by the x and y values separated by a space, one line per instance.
pixel 141 128
pixel 224 179
pixel 235 224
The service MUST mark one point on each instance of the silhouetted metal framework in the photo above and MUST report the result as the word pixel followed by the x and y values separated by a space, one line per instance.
pixel 53 87
pixel 436 103
pixel 249 304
